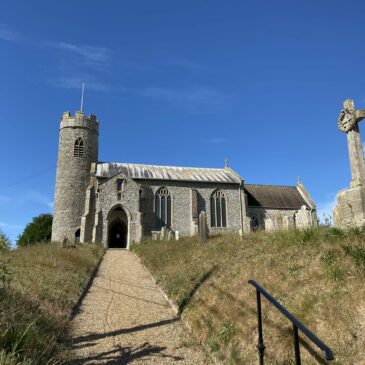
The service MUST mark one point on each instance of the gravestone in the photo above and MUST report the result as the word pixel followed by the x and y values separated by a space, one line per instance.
pixel 163 233
pixel 203 232
pixel 350 208
pixel 170 235
pixel 304 218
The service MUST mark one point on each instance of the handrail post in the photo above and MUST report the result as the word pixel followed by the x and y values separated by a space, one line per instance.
pixel 297 325
pixel 260 345
pixel 296 345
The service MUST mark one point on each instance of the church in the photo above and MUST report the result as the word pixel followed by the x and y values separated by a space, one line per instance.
pixel 121 203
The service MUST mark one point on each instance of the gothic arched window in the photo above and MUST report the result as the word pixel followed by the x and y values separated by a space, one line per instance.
pixel 218 209
pixel 79 148
pixel 163 208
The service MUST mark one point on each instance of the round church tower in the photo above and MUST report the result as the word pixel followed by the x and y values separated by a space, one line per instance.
pixel 77 150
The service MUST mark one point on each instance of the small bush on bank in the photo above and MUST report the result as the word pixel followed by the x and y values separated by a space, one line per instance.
pixel 39 230
pixel 4 241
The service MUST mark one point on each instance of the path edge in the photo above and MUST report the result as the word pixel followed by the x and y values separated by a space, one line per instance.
pixel 172 304
pixel 178 314
pixel 76 307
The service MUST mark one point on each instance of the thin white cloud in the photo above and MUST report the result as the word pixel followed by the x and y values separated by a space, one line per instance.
pixel 96 57
pixel 10 225
pixel 194 100
pixel 37 197
pixel 87 55
pixel 7 34
pixel 75 83
pixel 10 199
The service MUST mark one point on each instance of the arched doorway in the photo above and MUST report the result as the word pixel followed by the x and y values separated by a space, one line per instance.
pixel 118 227
pixel 77 236
pixel 118 234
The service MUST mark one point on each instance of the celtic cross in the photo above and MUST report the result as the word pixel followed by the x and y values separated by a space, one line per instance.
pixel 348 123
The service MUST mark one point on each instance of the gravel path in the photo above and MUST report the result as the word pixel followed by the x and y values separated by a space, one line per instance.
pixel 124 319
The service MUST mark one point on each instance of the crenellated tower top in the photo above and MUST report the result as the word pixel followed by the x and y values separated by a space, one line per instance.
pixel 79 120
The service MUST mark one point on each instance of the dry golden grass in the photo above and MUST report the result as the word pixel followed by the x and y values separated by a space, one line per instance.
pixel 316 274
pixel 39 285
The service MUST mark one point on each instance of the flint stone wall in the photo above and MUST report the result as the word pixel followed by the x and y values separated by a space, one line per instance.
pixel 73 174
pixel 138 197
pixel 350 209
pixel 283 219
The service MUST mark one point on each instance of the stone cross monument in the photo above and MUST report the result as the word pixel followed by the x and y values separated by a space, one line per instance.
pixel 348 123
pixel 350 208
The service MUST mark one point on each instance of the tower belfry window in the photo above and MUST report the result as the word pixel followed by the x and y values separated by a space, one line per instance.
pixel 79 148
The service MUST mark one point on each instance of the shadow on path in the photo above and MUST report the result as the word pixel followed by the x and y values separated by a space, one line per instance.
pixel 125 355
pixel 165 304
pixel 128 283
pixel 97 336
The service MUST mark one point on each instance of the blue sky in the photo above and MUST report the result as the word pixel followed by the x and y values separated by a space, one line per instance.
pixel 185 83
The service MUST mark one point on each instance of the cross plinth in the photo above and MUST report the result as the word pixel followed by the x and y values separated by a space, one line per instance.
pixel 348 123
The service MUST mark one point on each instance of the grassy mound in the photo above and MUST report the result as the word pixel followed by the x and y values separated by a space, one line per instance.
pixel 39 285
pixel 316 274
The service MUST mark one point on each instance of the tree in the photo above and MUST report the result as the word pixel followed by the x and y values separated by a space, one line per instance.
pixel 4 241
pixel 39 230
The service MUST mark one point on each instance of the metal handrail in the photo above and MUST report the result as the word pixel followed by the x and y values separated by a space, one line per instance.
pixel 297 325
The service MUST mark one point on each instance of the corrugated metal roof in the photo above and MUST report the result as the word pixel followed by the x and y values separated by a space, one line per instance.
pixel 270 196
pixel 153 172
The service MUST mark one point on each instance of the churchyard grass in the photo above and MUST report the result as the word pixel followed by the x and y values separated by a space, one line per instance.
pixel 317 274
pixel 39 285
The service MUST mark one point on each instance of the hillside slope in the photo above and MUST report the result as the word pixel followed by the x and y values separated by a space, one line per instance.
pixel 317 274
pixel 39 285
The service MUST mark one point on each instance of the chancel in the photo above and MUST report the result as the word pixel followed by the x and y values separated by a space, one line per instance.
pixel 120 203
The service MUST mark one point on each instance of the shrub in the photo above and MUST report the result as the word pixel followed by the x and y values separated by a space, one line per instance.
pixel 39 230
pixel 4 241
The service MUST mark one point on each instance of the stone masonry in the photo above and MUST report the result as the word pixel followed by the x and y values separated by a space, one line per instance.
pixel 118 203
pixel 350 208
pixel 73 173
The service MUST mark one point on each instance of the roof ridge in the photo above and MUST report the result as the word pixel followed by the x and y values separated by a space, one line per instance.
pixel 167 166
pixel 158 172
pixel 276 186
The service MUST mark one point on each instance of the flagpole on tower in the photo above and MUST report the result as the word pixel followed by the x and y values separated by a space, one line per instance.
pixel 82 95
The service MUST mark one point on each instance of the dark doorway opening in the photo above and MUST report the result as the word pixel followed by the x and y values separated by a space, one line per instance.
pixel 77 236
pixel 118 235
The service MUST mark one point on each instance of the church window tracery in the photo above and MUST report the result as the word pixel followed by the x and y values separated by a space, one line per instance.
pixel 79 148
pixel 163 208
pixel 218 211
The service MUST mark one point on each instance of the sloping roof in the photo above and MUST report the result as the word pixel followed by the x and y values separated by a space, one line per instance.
pixel 271 196
pixel 153 172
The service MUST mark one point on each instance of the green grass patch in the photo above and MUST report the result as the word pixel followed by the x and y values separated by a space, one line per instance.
pixel 318 274
pixel 39 285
